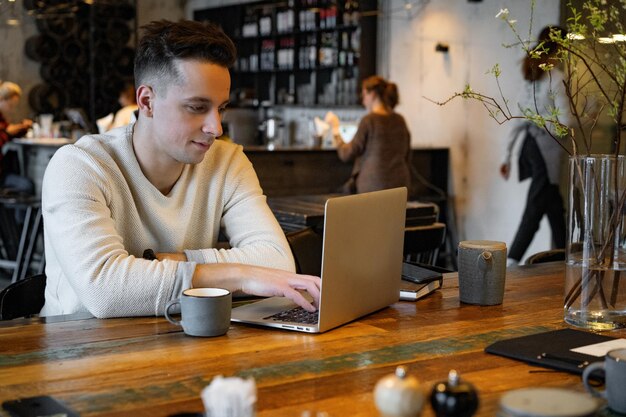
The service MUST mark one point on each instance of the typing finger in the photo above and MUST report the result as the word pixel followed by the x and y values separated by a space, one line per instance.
pixel 297 298
pixel 309 283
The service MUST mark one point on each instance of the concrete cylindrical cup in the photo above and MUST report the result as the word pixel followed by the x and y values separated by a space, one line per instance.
pixel 482 271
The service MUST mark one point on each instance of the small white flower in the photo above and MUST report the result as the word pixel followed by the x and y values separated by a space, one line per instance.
pixel 503 14
pixel 512 21
pixel 546 67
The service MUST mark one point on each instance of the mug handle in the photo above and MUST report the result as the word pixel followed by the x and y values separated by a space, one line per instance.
pixel 169 305
pixel 484 260
pixel 587 373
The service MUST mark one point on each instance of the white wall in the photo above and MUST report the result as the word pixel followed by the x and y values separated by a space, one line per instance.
pixel 487 207
pixel 149 10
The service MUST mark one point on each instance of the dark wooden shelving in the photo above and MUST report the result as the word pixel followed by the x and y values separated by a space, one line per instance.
pixel 348 49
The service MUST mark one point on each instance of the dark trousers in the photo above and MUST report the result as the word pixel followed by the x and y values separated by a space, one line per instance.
pixel 543 198
pixel 19 184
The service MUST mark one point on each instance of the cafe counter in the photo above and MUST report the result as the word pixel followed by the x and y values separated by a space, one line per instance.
pixel 298 171
pixel 281 171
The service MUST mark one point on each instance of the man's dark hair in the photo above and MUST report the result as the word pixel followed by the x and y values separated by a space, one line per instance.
pixel 163 42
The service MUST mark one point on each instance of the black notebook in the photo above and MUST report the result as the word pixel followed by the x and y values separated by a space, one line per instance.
pixel 419 280
pixel 551 349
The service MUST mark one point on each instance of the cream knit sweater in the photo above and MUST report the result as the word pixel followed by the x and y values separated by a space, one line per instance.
pixel 100 214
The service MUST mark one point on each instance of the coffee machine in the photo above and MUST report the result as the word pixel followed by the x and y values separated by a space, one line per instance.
pixel 272 129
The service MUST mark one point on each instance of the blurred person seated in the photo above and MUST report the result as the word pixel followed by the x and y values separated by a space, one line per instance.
pixel 10 178
pixel 124 115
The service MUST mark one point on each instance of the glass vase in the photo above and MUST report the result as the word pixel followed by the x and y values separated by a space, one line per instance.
pixel 595 282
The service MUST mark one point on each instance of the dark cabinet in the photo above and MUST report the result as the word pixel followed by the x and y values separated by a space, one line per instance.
pixel 300 52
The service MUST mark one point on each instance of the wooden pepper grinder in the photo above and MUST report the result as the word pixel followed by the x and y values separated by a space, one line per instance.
pixel 398 395
pixel 454 397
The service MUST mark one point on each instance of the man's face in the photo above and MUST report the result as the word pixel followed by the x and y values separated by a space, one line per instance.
pixel 187 115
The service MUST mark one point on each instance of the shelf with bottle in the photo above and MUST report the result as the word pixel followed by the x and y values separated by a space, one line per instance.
pixel 295 33
pixel 304 52
pixel 294 17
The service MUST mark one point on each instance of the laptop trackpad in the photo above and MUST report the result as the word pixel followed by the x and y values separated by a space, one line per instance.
pixel 258 310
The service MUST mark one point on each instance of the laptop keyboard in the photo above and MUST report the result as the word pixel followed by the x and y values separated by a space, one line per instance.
pixel 295 315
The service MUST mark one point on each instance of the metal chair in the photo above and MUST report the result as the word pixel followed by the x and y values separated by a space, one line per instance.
pixel 552 255
pixel 18 246
pixel 306 246
pixel 422 243
pixel 23 298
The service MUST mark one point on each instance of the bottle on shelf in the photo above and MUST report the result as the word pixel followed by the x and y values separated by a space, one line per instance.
pixel 268 46
pixel 285 55
pixel 328 49
pixel 308 14
pixel 307 52
pixel 347 13
pixel 265 23
pixel 285 19
pixel 250 27
pixel 319 41
pixel 331 14
pixel 355 15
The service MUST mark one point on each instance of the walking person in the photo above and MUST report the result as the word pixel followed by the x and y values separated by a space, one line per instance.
pixel 540 156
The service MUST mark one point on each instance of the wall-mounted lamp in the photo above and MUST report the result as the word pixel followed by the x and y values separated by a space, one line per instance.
pixel 8 9
pixel 442 47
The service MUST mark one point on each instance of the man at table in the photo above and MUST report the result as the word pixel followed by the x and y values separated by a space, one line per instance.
pixel 163 183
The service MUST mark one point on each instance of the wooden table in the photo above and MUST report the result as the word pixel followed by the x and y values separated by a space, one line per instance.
pixel 146 367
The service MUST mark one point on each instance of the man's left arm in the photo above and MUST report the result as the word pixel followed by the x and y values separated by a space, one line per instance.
pixel 254 234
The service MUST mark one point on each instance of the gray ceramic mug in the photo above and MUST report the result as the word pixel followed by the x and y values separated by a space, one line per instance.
pixel 482 271
pixel 614 368
pixel 205 311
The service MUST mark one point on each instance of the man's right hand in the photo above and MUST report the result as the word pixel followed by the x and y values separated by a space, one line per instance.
pixel 261 281
pixel 17 128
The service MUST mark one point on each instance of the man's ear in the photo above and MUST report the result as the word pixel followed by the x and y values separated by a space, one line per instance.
pixel 145 100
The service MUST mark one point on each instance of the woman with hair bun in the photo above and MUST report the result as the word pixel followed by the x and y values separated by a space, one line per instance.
pixel 381 147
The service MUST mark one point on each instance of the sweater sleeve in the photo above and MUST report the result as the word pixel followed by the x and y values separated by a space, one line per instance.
pixel 4 135
pixel 88 250
pixel 254 234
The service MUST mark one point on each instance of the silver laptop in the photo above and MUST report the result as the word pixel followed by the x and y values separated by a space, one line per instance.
pixel 361 265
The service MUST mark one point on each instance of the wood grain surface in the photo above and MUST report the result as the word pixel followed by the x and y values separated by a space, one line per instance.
pixel 148 367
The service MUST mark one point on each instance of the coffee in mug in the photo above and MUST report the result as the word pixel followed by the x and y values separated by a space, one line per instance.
pixel 614 369
pixel 482 271
pixel 204 311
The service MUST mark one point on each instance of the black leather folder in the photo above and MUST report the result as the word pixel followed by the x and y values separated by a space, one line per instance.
pixel 551 349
